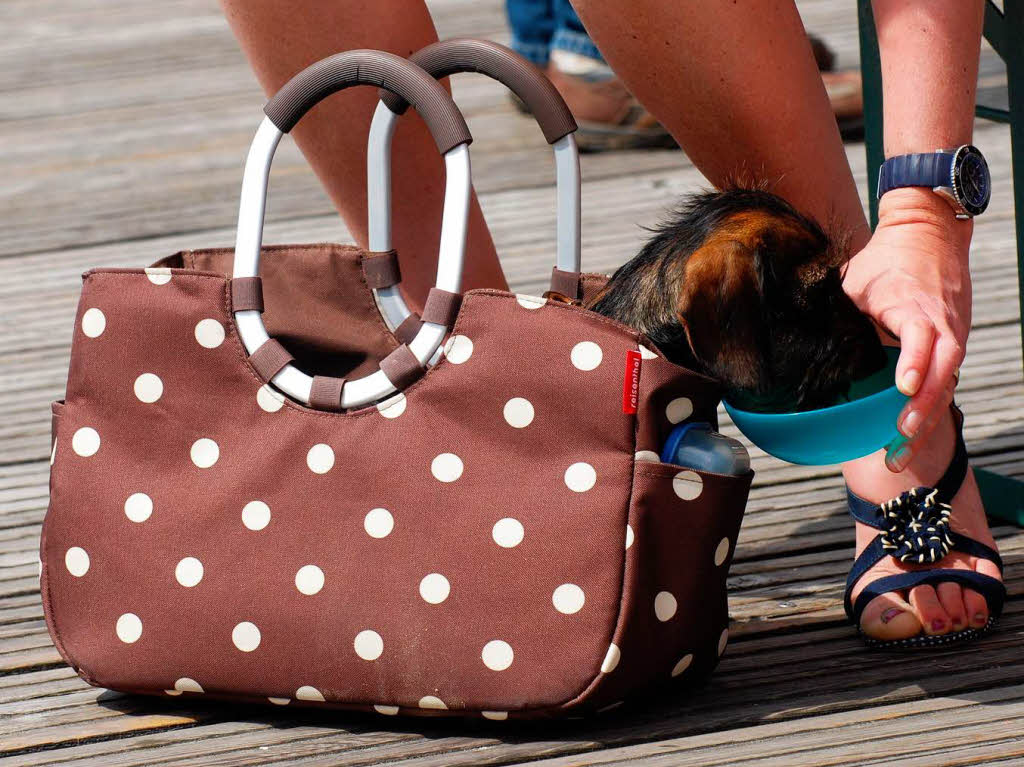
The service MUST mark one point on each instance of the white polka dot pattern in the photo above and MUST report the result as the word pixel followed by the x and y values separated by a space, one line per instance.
pixel 611 659
pixel 687 484
pixel 518 412
pixel 189 572
pixel 86 441
pixel 158 275
pixel 682 664
pixel 94 322
pixel 309 580
pixel 269 398
pixel 580 477
pixel 368 644
pixel 429 571
pixel 497 655
pixel 138 507
pixel 568 598
pixel 586 355
pixel 530 302
pixel 187 685
pixel 77 561
pixel 148 388
pixel 378 523
pixel 209 333
pixel 458 349
pixel 435 588
pixel 320 458
pixel 129 628
pixel 679 409
pixel 446 467
pixel 309 693
pixel 204 453
pixel 256 515
pixel 722 552
pixel 508 532
pixel 665 606
pixel 246 636
pixel 393 407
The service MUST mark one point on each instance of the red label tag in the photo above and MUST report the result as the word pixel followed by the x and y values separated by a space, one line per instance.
pixel 631 383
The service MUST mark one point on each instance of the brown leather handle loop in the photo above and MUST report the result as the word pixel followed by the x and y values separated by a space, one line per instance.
pixel 450 57
pixel 367 67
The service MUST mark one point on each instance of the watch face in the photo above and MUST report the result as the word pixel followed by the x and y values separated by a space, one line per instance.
pixel 972 183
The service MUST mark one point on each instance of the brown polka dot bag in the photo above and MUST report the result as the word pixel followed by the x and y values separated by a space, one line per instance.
pixel 474 521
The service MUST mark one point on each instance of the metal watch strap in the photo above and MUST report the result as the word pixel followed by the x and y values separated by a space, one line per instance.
pixel 928 169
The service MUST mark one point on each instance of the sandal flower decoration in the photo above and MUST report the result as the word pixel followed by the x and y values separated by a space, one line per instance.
pixel 915 526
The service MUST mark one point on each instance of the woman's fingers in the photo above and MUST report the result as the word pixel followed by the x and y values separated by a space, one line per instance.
pixel 917 336
pixel 902 452
pixel 934 392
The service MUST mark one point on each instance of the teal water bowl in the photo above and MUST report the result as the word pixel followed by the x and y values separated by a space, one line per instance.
pixel 854 428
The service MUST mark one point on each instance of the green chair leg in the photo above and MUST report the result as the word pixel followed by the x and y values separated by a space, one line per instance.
pixel 1003 497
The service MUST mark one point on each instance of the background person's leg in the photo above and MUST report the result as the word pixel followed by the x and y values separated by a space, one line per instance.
pixel 533 26
pixel 280 39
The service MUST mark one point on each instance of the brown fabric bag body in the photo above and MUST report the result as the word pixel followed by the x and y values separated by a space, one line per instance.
pixel 498 538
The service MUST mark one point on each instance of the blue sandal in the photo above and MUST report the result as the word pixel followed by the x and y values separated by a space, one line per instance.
pixel 914 528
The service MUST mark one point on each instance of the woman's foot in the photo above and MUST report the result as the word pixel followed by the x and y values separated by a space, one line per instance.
pixel 933 610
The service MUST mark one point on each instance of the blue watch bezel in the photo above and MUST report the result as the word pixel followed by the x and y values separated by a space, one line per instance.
pixel 940 171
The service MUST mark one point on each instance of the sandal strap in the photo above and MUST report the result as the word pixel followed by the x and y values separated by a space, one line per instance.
pixel 874 553
pixel 948 485
pixel 991 588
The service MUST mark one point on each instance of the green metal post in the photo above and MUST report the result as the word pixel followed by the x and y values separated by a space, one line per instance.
pixel 871 74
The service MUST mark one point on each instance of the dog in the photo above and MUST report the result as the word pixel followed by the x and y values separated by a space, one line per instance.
pixel 740 286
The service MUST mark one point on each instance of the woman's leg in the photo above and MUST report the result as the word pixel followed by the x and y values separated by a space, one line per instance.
pixel 280 39
pixel 738 87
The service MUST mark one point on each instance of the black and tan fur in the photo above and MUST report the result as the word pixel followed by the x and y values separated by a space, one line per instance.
pixel 740 286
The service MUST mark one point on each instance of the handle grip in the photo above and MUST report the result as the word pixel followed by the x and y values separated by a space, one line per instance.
pixel 367 67
pixel 450 57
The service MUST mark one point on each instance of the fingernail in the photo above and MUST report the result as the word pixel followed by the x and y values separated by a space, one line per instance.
pixel 891 613
pixel 911 423
pixel 898 459
pixel 910 382
pixel 938 624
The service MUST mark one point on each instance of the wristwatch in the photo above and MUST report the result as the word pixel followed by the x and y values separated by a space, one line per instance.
pixel 960 176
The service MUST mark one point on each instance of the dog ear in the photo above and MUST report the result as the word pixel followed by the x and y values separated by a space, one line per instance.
pixel 720 307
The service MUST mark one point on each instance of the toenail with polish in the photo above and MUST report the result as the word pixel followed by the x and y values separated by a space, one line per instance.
pixel 957 623
pixel 891 613
pixel 979 618
pixel 938 625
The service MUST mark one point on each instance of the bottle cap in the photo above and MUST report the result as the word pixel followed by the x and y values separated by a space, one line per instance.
pixel 668 453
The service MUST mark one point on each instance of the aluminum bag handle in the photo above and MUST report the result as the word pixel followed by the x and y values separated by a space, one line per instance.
pixel 450 57
pixel 283 111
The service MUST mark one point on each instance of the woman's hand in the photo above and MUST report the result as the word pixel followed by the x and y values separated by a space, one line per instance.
pixel 913 279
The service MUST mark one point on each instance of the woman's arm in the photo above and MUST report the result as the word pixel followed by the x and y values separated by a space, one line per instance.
pixel 913 277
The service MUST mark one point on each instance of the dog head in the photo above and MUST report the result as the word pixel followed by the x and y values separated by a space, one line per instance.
pixel 751 294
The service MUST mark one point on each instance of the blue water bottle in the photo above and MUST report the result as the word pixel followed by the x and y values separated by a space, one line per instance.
pixel 696 446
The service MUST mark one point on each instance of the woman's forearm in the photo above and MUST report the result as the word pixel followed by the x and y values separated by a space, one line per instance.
pixel 929 52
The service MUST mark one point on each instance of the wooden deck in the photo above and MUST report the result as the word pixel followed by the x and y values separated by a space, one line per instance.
pixel 100 167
